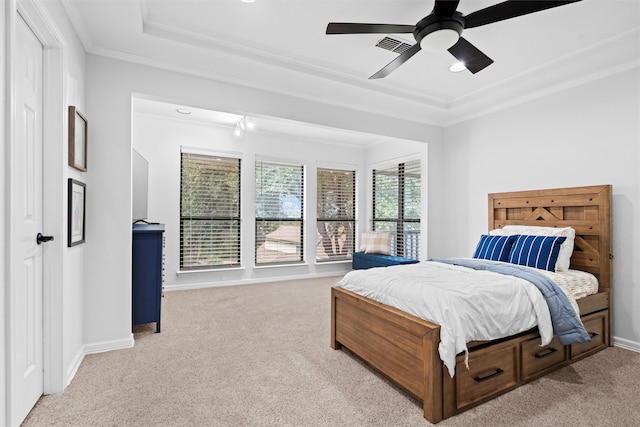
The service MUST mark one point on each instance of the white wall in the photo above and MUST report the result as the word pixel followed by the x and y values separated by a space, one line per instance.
pixel 159 139
pixel 4 9
pixel 110 87
pixel 585 135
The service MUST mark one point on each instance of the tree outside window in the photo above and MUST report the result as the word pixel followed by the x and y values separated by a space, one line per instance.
pixel 209 211
pixel 335 214
pixel 279 213
pixel 397 204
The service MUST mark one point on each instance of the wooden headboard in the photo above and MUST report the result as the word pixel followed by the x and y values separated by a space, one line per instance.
pixel 586 209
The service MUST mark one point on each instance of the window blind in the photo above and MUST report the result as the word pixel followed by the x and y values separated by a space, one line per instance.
pixel 335 214
pixel 209 211
pixel 397 205
pixel 279 213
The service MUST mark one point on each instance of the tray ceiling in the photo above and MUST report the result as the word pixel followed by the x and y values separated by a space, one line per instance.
pixel 282 45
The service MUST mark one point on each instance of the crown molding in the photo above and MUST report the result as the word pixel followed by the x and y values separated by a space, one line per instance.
pixel 598 56
pixel 607 58
pixel 78 25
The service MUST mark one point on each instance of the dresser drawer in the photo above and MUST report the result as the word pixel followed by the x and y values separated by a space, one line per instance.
pixel 536 359
pixel 490 372
pixel 596 326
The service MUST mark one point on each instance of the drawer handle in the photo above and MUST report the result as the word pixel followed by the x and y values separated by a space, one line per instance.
pixel 593 334
pixel 495 374
pixel 545 353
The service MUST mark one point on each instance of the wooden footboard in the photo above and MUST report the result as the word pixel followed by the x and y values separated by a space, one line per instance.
pixel 404 348
pixel 400 346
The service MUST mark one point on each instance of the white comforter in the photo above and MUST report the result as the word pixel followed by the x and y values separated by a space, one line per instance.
pixel 467 304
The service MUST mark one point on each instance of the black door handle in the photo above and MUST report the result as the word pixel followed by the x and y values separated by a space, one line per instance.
pixel 40 239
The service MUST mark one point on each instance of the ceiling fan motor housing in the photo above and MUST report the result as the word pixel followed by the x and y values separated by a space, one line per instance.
pixel 433 25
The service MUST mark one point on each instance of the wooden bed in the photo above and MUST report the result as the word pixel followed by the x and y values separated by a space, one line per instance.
pixel 404 348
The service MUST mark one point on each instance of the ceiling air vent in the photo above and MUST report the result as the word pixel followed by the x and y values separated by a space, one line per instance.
pixel 393 45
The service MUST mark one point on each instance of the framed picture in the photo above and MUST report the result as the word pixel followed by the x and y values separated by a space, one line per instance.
pixel 76 215
pixel 77 139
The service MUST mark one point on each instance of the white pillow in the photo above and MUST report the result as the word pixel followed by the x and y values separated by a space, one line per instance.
pixel 566 249
pixel 376 242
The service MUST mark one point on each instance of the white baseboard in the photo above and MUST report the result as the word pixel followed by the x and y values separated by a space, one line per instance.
pixel 190 286
pixel 73 368
pixel 628 344
pixel 109 345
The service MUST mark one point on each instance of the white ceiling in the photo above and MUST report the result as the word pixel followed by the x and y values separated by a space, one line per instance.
pixel 261 124
pixel 282 43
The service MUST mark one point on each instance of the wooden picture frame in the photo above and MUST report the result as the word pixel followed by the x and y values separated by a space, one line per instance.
pixel 76 212
pixel 78 126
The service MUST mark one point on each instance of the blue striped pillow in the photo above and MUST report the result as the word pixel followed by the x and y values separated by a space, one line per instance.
pixel 496 248
pixel 536 251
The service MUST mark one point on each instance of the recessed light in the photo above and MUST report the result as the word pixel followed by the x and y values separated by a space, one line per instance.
pixel 183 111
pixel 457 67
pixel 248 1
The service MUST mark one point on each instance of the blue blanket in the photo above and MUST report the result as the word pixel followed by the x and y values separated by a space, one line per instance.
pixel 566 323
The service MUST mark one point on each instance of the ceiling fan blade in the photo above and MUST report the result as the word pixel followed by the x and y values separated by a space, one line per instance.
pixel 357 28
pixel 509 9
pixel 401 59
pixel 472 58
pixel 445 7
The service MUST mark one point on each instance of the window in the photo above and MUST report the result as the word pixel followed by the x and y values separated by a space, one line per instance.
pixel 335 214
pixel 209 211
pixel 279 213
pixel 396 206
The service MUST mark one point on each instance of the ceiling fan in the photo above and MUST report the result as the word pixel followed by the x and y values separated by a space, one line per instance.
pixel 442 29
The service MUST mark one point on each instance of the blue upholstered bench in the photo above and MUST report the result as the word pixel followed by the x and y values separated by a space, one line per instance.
pixel 362 261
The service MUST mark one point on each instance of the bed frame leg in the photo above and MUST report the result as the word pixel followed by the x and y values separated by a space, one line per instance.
pixel 334 343
pixel 433 386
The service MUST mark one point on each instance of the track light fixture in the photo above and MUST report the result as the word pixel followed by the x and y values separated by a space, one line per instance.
pixel 243 124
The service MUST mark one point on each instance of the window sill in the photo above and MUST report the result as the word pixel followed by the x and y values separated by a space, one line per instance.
pixel 341 261
pixel 261 267
pixel 209 270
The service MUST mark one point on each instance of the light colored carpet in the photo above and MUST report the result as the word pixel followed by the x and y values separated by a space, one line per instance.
pixel 260 355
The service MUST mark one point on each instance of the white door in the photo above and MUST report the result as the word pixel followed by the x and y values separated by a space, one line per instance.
pixel 26 335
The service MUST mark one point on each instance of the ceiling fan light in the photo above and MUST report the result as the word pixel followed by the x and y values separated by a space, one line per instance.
pixel 439 40
pixel 456 67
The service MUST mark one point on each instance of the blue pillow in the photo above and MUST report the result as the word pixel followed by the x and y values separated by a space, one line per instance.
pixel 496 248
pixel 536 251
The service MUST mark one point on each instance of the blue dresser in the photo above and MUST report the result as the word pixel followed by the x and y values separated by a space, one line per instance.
pixel 147 274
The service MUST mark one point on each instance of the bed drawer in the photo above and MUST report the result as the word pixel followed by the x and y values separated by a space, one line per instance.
pixel 596 326
pixel 536 359
pixel 490 372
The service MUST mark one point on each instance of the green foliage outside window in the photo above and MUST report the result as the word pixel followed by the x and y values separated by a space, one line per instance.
pixel 209 211
pixel 397 205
